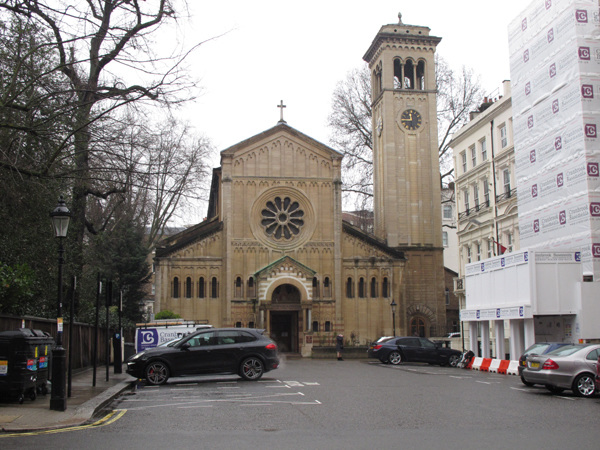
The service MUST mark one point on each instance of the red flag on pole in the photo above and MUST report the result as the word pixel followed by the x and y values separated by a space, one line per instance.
pixel 501 248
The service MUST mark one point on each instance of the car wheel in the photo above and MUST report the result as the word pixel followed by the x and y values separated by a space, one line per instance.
pixel 453 360
pixel 252 368
pixel 157 373
pixel 554 389
pixel 395 358
pixel 526 383
pixel 584 385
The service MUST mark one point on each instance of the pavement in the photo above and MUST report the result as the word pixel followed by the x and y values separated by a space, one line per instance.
pixel 85 401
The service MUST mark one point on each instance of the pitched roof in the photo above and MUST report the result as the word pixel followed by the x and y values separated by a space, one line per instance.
pixel 188 236
pixel 281 127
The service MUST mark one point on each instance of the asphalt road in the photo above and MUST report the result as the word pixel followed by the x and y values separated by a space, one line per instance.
pixel 318 404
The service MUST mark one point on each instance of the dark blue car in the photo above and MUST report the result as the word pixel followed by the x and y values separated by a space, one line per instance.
pixel 537 349
pixel 395 350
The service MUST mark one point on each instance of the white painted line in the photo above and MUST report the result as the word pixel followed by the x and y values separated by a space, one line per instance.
pixel 198 406
pixel 482 382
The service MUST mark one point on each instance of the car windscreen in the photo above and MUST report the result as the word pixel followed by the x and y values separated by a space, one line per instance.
pixel 567 350
pixel 536 349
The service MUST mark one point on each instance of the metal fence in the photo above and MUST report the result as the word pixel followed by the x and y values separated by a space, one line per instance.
pixel 81 353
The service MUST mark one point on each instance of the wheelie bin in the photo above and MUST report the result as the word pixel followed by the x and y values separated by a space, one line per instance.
pixel 18 365
pixel 44 344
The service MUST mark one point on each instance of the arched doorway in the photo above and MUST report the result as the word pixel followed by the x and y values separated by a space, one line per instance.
pixel 418 326
pixel 285 306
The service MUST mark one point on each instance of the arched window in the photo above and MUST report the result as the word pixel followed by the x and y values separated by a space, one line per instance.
pixel 421 75
pixel 315 285
pixel 397 74
pixel 188 287
pixel 361 288
pixel 327 325
pixel 251 293
pixel 377 82
pixel 315 326
pixel 238 287
pixel 201 288
pixel 238 324
pixel 349 288
pixel 175 287
pixel 385 288
pixel 214 288
pixel 326 288
pixel 409 75
pixel 373 287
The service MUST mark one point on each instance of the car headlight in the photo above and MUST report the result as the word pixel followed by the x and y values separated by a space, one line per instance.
pixel 137 356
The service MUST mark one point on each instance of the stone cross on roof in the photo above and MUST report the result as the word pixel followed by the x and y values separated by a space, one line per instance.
pixel 281 106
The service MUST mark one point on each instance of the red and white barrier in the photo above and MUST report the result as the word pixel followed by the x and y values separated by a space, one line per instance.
pixel 503 366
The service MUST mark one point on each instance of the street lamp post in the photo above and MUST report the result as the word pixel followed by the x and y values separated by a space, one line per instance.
pixel 60 222
pixel 393 305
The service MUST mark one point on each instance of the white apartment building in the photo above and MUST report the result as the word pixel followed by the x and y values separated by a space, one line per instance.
pixel 449 228
pixel 486 194
pixel 548 289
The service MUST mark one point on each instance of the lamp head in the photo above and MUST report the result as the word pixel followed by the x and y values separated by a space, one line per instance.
pixel 61 216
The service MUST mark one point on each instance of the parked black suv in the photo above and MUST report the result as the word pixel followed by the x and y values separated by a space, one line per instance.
pixel 243 351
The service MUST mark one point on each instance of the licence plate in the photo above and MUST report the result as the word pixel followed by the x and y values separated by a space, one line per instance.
pixel 534 365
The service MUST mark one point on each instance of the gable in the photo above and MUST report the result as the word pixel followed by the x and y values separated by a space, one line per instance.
pixel 286 265
pixel 281 152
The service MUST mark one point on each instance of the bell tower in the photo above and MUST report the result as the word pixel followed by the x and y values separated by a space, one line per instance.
pixel 406 180
pixel 405 153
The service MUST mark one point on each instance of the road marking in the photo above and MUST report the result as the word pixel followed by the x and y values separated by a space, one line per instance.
pixel 109 419
pixel 195 406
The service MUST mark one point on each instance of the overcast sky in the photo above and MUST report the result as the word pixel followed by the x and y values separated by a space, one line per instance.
pixel 298 51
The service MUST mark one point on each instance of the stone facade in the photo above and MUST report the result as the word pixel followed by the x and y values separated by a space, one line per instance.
pixel 275 252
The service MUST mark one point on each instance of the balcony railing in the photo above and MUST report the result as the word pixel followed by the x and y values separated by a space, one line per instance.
pixel 507 195
pixel 474 210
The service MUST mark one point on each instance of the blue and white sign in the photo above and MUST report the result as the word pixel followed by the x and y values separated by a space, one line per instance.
pixel 146 338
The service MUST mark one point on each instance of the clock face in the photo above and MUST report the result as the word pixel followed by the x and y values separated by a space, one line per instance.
pixel 411 119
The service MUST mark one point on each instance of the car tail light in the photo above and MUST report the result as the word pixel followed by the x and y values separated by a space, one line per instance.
pixel 377 347
pixel 550 365
pixel 271 346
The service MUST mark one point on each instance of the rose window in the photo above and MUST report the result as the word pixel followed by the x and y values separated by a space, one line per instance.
pixel 282 218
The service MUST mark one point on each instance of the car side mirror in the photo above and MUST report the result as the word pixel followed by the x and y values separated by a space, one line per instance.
pixel 437 344
pixel 185 346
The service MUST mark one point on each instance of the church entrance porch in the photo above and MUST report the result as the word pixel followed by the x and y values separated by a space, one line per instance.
pixel 284 330
pixel 284 308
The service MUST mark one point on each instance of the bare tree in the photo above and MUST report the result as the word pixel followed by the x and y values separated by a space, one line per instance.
pixel 350 122
pixel 101 57
pixel 458 95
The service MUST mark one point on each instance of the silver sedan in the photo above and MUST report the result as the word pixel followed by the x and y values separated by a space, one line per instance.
pixel 571 367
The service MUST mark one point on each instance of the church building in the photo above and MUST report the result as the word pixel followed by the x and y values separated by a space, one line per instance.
pixel 274 251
